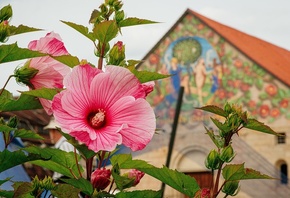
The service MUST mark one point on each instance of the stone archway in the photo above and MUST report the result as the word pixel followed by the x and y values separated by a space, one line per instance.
pixel 190 160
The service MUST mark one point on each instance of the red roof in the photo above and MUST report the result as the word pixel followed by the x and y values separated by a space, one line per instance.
pixel 274 59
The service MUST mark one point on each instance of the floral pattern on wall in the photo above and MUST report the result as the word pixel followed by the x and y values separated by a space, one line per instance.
pixel 211 72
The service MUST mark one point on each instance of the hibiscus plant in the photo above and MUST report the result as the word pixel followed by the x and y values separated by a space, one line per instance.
pixel 100 107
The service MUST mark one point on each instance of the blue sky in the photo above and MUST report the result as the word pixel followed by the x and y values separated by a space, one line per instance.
pixel 268 19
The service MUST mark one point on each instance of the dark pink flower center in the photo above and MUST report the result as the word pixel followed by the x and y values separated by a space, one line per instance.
pixel 97 119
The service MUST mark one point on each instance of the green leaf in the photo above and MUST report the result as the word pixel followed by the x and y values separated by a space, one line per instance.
pixel 214 109
pixel 259 126
pixel 217 140
pixel 177 180
pixel 83 149
pixel 140 194
pixel 24 102
pixel 232 172
pixel 5 180
pixel 5 128
pixel 46 93
pixel 146 76
pixel 13 30
pixel 68 60
pixel 65 190
pixel 105 31
pixel 82 184
pixel 10 159
pixel 23 190
pixel 131 21
pixel 12 52
pixel 220 125
pixel 23 133
pixel 94 16
pixel 6 194
pixel 81 29
pixel 59 161
pixel 122 182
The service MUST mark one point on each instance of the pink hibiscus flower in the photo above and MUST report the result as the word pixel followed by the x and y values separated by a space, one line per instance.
pixel 49 72
pixel 105 109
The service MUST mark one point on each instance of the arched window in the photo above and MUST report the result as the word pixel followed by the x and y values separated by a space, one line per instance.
pixel 284 173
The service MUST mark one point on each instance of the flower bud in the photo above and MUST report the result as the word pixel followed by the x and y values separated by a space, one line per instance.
pixel 24 74
pixel 104 10
pixel 13 122
pixel 135 174
pixel 228 108
pixel 47 183
pixel 234 121
pixel 6 13
pixel 117 53
pixel 231 188
pixel 227 154
pixel 119 16
pixel 205 193
pixel 110 2
pixel 4 31
pixel 100 178
pixel 117 5
pixel 212 161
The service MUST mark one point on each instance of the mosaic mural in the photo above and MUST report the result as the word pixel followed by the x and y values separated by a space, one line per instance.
pixel 211 72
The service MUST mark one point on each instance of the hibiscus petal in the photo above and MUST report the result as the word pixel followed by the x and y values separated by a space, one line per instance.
pixel 46 104
pixel 79 82
pixel 106 141
pixel 116 82
pixel 138 121
pixel 63 117
pixel 50 44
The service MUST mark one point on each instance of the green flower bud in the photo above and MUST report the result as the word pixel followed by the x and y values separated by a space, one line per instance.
pixel 104 9
pixel 47 183
pixel 13 122
pixel 234 121
pixel 110 2
pixel 118 5
pixel 6 13
pixel 227 154
pixel 212 161
pixel 228 108
pixel 24 74
pixel 231 188
pixel 4 31
pixel 119 16
pixel 117 53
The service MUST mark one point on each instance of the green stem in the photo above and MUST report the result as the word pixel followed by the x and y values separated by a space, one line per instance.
pixel 77 162
pixel 6 84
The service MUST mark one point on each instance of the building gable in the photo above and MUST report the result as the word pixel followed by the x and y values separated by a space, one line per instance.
pixel 216 64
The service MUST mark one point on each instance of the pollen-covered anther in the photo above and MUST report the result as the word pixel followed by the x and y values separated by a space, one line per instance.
pixel 98 119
